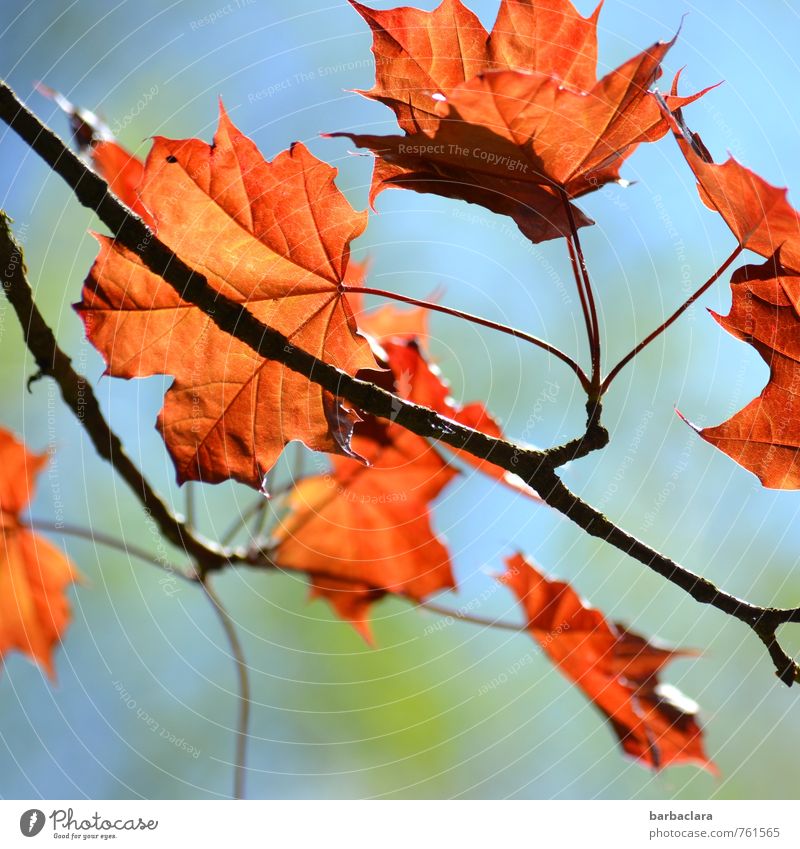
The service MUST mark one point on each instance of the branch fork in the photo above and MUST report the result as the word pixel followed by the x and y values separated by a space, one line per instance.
pixel 535 467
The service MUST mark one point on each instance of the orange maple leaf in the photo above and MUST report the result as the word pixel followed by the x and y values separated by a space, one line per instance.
pixel 512 119
pixel 363 531
pixel 617 669
pixel 764 437
pixel 273 236
pixel 757 213
pixel 34 611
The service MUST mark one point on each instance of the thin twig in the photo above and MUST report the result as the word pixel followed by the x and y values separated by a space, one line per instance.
pixel 243 675
pixel 109 541
pixel 484 322
pixel 242 519
pixel 673 318
pixel 484 621
pixel 535 467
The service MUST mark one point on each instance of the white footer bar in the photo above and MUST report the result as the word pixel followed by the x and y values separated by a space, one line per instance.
pixel 400 824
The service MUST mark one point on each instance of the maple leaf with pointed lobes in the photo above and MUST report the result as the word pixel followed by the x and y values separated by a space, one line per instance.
pixel 364 531
pixel 34 611
pixel 275 237
pixel 419 54
pixel 757 213
pixel 617 670
pixel 764 437
pixel 512 119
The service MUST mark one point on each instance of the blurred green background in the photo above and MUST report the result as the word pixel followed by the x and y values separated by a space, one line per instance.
pixel 144 660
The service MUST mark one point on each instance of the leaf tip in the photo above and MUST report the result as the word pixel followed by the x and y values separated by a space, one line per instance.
pixel 691 424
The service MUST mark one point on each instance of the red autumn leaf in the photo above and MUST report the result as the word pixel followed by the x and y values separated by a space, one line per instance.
pixel 122 170
pixel 764 437
pixel 758 214
pixel 617 670
pixel 421 382
pixel 274 236
pixel 364 531
pixel 509 120
pixel 361 532
pixel 34 611
pixel 391 322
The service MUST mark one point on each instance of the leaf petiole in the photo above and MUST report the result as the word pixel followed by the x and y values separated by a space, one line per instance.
pixel 484 322
pixel 674 317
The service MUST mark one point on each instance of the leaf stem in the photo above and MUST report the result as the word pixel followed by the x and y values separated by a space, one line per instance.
pixel 243 676
pixel 109 541
pixel 484 322
pixel 664 325
pixel 596 355
pixel 584 285
pixel 579 286
pixel 484 621
pixel 242 519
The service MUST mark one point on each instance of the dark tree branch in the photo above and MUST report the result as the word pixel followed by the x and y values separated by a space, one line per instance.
pixel 595 438
pixel 233 318
pixel 763 620
pixel 537 468
pixel 79 397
